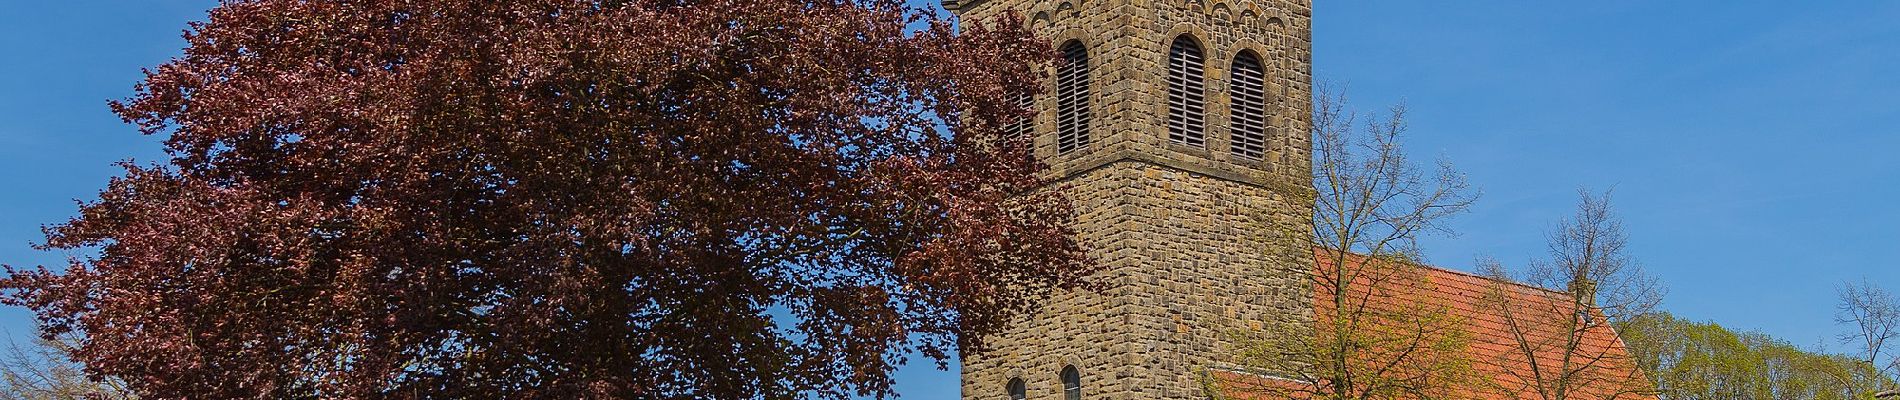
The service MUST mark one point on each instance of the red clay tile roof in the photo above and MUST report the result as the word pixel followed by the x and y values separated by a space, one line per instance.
pixel 1499 358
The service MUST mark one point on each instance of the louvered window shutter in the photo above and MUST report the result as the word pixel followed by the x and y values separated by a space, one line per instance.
pixel 1249 94
pixel 1187 93
pixel 1026 125
pixel 1072 98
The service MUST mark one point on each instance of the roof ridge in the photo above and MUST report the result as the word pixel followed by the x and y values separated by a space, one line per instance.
pixel 1507 280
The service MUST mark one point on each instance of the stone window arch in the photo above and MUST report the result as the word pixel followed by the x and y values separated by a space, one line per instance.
pixel 1071 383
pixel 1248 102
pixel 1072 98
pixel 1016 389
pixel 1187 92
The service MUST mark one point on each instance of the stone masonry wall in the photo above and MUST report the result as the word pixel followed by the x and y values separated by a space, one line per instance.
pixel 1183 233
pixel 1188 265
pixel 1128 43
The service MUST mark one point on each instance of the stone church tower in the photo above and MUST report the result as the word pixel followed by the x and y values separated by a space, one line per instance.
pixel 1181 128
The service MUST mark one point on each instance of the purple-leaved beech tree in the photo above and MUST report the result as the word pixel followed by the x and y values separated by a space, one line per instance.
pixel 562 199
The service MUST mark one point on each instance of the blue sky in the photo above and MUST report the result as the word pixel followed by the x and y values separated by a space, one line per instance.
pixel 1751 143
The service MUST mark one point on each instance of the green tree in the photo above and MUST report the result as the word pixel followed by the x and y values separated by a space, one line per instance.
pixel 1690 360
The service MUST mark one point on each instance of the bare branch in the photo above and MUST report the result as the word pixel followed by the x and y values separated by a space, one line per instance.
pixel 1376 334
pixel 1874 315
pixel 1591 282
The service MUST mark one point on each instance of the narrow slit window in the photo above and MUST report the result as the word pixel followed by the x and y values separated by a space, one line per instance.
pixel 1249 93
pixel 1072 98
pixel 1187 93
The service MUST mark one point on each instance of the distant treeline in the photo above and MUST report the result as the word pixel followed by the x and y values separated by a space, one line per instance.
pixel 1703 360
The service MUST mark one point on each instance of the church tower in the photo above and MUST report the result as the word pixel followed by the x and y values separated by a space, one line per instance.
pixel 1180 127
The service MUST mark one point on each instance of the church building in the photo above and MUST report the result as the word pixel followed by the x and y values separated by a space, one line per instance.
pixel 1181 127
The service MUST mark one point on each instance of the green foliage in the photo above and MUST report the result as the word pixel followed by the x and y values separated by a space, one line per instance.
pixel 1703 360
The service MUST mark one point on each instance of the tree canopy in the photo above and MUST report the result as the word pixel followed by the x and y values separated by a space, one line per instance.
pixel 562 199
pixel 1691 360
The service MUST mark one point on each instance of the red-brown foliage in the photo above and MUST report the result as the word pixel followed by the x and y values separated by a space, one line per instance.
pixel 562 198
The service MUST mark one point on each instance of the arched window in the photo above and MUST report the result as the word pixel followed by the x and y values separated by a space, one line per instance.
pixel 1187 93
pixel 1072 98
pixel 1017 391
pixel 1249 90
pixel 1071 383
